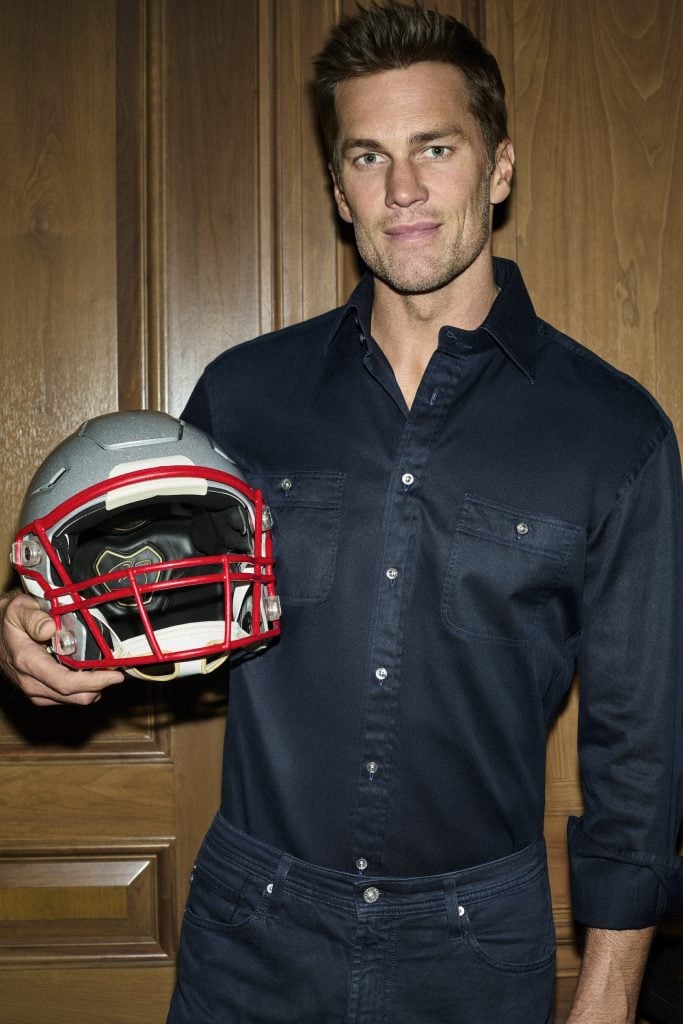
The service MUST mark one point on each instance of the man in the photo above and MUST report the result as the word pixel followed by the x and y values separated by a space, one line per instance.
pixel 466 504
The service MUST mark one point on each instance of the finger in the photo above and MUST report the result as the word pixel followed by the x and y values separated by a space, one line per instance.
pixel 46 677
pixel 70 688
pixel 84 699
pixel 42 677
pixel 25 615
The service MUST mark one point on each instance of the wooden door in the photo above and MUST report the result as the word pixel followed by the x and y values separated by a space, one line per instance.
pixel 101 809
pixel 165 196
pixel 157 194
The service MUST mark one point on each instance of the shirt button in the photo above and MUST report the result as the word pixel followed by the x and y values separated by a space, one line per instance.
pixel 522 529
pixel 392 574
pixel 371 894
pixel 286 484
pixel 361 863
pixel 372 767
pixel 381 674
pixel 408 479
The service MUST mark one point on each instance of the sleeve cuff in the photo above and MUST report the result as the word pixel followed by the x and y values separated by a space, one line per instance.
pixel 620 889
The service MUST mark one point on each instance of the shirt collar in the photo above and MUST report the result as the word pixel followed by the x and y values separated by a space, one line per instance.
pixel 511 322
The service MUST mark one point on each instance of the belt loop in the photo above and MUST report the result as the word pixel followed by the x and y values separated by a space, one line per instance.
pixel 454 912
pixel 278 885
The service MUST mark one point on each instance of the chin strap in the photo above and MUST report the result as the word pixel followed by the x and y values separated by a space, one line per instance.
pixel 172 639
pixel 180 638
pixel 202 666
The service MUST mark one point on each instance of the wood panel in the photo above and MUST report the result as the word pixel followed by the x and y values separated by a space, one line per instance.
pixel 89 867
pixel 130 995
pixel 108 903
pixel 57 252
pixel 305 217
pixel 211 158
pixel 599 96
pixel 127 724
pixel 70 801
pixel 250 243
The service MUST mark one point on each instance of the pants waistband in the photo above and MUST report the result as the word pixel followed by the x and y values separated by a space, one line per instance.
pixel 471 884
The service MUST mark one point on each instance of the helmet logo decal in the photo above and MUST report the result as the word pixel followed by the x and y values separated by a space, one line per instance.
pixel 118 561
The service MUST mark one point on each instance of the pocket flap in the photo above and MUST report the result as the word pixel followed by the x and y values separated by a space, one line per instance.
pixel 303 488
pixel 501 524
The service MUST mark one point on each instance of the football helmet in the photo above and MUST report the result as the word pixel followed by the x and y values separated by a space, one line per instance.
pixel 148 548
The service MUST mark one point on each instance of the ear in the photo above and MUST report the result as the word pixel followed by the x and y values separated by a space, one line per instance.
pixel 339 197
pixel 501 176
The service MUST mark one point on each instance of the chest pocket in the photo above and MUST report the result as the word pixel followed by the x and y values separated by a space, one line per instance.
pixel 505 567
pixel 306 508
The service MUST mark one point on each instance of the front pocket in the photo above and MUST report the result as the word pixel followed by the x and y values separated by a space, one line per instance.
pixel 504 566
pixel 512 929
pixel 306 508
pixel 224 904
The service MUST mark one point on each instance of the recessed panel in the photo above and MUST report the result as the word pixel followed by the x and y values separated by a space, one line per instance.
pixel 57 905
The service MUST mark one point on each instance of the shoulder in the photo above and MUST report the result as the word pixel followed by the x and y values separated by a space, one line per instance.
pixel 302 341
pixel 607 396
pixel 246 393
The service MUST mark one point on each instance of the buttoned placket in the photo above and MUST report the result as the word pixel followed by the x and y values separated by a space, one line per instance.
pixel 399 529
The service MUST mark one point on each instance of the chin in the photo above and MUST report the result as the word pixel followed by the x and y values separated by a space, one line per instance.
pixel 416 284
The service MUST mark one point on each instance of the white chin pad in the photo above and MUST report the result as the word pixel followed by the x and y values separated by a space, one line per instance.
pixel 183 637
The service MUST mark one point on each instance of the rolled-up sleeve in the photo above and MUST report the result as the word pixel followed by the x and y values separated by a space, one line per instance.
pixel 624 868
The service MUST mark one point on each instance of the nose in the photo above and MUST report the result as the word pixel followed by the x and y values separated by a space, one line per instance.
pixel 404 185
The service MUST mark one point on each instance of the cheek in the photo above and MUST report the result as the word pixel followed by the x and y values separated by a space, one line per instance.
pixel 363 200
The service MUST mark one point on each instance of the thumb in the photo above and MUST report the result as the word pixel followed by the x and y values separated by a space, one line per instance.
pixel 36 623
pixel 43 627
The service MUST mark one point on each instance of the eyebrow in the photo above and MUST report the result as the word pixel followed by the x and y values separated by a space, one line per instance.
pixel 447 131
pixel 418 139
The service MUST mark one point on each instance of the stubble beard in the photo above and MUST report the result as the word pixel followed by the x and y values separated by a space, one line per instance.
pixel 420 276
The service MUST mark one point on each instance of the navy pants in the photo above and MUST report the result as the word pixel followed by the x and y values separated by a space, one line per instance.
pixel 269 939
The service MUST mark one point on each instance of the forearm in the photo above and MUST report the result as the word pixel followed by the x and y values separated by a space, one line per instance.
pixel 611 975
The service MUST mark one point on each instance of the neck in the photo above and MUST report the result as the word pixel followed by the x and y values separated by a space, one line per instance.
pixel 406 327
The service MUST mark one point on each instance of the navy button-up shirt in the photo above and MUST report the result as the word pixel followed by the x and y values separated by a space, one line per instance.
pixel 442 571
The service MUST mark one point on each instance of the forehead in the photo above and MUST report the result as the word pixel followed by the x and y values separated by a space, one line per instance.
pixel 398 102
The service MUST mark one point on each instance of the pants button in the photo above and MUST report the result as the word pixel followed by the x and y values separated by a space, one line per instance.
pixel 371 894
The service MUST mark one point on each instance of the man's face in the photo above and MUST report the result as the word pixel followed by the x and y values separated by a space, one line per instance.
pixel 414 179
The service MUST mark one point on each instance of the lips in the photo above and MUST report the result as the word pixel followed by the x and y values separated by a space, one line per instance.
pixel 418 230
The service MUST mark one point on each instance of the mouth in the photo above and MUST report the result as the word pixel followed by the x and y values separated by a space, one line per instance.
pixel 417 231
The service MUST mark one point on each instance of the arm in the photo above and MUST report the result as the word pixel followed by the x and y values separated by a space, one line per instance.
pixel 25 630
pixel 611 974
pixel 624 871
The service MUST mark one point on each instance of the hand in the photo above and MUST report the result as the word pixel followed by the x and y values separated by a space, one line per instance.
pixel 24 631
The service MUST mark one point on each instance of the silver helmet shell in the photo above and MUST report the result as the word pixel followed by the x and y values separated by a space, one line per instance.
pixel 148 547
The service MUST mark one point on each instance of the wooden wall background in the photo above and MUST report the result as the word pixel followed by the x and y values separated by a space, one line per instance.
pixel 163 196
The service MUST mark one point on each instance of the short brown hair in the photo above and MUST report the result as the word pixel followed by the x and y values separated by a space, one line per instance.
pixel 394 35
